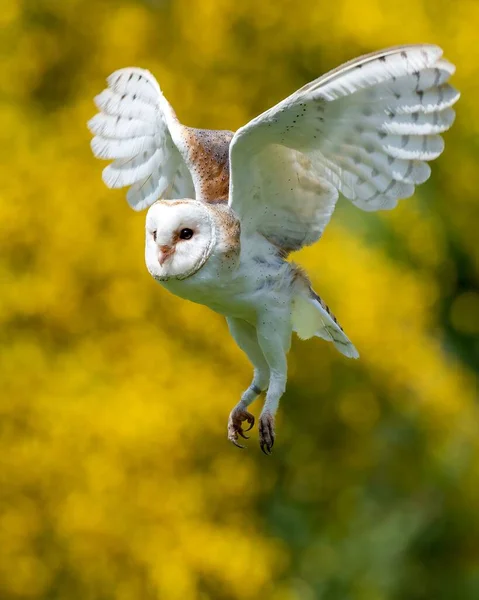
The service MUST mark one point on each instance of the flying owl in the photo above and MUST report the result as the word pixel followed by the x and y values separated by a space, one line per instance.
pixel 226 209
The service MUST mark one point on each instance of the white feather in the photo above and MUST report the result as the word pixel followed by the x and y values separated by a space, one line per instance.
pixel 125 105
pixel 367 128
pixel 310 318
pixel 123 172
pixel 134 127
pixel 119 127
pixel 146 191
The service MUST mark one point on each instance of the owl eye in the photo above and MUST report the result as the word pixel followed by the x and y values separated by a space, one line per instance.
pixel 186 234
pixel 153 233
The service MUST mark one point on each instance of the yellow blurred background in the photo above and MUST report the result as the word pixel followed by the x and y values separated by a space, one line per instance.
pixel 116 478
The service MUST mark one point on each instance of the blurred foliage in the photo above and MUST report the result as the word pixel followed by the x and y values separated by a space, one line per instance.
pixel 116 479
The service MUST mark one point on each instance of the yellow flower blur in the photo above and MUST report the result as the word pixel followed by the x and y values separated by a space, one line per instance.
pixel 116 478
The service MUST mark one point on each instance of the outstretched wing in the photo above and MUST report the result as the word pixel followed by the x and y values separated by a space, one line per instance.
pixel 364 129
pixel 153 153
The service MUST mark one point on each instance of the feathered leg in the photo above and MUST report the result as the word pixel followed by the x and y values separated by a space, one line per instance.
pixel 245 336
pixel 274 338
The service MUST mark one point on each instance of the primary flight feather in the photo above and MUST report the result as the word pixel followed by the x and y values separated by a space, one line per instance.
pixel 227 209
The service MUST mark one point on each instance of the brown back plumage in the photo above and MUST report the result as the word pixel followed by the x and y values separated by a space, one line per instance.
pixel 208 151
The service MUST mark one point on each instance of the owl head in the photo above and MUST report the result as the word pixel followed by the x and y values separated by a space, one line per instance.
pixel 180 237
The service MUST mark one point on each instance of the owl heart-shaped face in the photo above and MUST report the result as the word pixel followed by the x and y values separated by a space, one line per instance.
pixel 180 236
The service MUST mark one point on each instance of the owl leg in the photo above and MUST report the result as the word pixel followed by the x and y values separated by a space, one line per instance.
pixel 274 340
pixel 245 336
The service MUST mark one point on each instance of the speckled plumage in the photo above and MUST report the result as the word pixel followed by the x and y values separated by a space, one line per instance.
pixel 208 151
pixel 226 209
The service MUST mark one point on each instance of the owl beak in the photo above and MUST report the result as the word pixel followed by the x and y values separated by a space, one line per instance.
pixel 165 253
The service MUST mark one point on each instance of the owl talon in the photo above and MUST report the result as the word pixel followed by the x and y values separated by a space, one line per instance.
pixel 266 433
pixel 235 442
pixel 235 427
pixel 250 420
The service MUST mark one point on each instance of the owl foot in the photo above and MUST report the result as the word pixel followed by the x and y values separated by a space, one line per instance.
pixel 266 432
pixel 235 428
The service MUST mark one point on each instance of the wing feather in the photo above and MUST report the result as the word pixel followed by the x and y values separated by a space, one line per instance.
pixel 367 129
pixel 135 127
pixel 153 153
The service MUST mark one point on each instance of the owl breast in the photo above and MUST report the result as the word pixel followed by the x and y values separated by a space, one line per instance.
pixel 239 284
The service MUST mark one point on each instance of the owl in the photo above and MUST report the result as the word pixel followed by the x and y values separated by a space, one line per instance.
pixel 226 209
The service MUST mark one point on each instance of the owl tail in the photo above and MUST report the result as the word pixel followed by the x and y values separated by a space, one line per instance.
pixel 312 317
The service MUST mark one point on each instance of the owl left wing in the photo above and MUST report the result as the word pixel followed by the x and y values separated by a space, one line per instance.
pixel 365 129
pixel 153 152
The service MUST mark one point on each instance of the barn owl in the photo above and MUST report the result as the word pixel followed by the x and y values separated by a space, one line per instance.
pixel 226 209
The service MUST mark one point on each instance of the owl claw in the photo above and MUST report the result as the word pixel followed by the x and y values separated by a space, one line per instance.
pixel 235 427
pixel 250 420
pixel 236 443
pixel 266 433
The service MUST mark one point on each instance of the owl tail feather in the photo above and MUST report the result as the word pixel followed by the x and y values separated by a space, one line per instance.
pixel 312 317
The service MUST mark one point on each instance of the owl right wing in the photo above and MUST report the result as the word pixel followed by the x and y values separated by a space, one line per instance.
pixel 153 152
pixel 365 129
